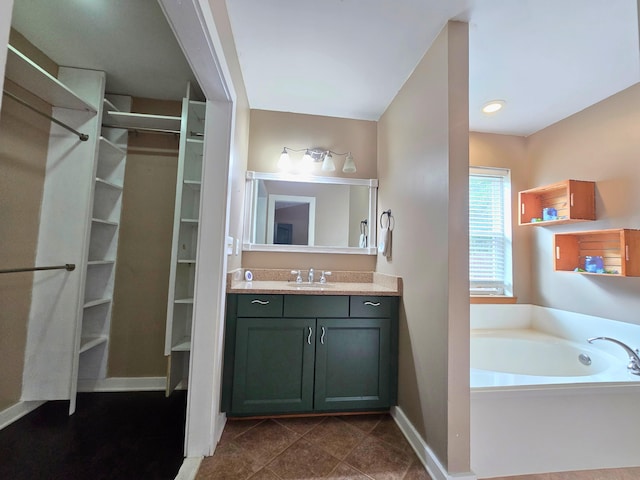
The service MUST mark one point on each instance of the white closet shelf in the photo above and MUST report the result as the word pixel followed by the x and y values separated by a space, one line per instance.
pixel 141 121
pixel 110 148
pixel 182 345
pixel 107 105
pixel 193 221
pixel 183 300
pixel 23 71
pixel 95 303
pixel 195 141
pixel 106 183
pixel 187 261
pixel 100 262
pixel 87 343
pixel 104 222
pixel 193 184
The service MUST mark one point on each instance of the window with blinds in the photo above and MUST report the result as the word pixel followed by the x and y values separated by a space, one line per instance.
pixel 489 231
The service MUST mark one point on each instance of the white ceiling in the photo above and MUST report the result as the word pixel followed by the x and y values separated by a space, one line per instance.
pixel 130 40
pixel 547 59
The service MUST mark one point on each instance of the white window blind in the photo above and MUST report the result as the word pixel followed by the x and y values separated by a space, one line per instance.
pixel 489 230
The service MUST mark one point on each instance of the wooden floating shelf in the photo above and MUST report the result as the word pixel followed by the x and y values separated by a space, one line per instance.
pixel 573 200
pixel 619 249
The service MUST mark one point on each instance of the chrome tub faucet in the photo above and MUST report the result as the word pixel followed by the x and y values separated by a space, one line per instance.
pixel 634 355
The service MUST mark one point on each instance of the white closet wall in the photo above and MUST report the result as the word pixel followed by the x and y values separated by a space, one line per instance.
pixel 63 235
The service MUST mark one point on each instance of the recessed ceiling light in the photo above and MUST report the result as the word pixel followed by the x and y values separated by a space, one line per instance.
pixel 493 106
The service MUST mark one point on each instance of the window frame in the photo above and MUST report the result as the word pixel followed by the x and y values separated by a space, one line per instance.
pixel 499 287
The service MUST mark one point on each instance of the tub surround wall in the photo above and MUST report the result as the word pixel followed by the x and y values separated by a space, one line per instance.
pixel 564 424
pixel 600 144
pixel 423 171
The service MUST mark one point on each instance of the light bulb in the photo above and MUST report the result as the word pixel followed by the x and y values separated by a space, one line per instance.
pixel 284 162
pixel 349 164
pixel 327 163
pixel 307 163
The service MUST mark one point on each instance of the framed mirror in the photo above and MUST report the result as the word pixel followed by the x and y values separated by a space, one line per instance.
pixel 289 213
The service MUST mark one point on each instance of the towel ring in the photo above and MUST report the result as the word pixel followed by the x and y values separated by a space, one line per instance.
pixel 390 224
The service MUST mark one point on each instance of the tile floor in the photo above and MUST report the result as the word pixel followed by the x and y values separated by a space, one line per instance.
pixel 358 447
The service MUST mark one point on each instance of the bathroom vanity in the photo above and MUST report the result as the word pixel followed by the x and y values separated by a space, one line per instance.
pixel 296 349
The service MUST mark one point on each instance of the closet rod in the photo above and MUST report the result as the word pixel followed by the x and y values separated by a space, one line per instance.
pixel 82 136
pixel 144 129
pixel 69 267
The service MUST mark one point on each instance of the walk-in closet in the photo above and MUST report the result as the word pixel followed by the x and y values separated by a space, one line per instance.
pixel 101 147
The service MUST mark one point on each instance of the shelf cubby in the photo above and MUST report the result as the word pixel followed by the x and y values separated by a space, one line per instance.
pixel 619 249
pixel 573 200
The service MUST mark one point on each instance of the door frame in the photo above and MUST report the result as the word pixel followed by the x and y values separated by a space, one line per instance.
pixel 193 24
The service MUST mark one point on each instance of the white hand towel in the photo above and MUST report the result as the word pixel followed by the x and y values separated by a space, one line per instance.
pixel 363 241
pixel 384 245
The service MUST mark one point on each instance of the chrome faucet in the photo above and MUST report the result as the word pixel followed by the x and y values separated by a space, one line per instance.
pixel 311 273
pixel 634 355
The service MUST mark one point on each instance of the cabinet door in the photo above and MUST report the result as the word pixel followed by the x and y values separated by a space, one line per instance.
pixel 352 364
pixel 273 370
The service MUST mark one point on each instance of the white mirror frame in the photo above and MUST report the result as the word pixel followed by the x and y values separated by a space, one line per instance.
pixel 251 194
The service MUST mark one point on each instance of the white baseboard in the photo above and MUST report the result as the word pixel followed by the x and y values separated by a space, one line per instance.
pixel 189 468
pixel 425 454
pixel 17 411
pixel 123 384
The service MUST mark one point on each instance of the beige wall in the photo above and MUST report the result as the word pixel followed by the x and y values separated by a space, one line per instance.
pixel 24 139
pixel 423 171
pixel 271 131
pixel 136 347
pixel 508 151
pixel 601 144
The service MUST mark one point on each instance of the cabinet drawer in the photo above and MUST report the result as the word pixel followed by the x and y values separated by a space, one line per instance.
pixel 316 306
pixel 371 307
pixel 259 305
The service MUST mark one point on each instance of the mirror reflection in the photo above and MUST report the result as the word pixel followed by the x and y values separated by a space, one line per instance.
pixel 326 213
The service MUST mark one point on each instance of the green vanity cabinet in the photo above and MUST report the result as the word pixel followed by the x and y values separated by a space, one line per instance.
pixel 352 364
pixel 273 365
pixel 309 353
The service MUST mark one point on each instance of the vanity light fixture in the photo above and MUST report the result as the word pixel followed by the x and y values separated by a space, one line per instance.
pixel 316 155
pixel 493 106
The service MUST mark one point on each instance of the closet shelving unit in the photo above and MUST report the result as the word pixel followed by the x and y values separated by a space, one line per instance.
pixel 22 70
pixel 54 336
pixel 184 244
pixel 107 194
pixel 141 121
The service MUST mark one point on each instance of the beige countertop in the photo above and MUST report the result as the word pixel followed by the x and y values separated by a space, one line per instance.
pixel 340 283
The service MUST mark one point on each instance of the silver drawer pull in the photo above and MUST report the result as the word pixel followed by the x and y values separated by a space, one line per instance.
pixel 322 337
pixel 373 304
pixel 260 302
pixel 309 337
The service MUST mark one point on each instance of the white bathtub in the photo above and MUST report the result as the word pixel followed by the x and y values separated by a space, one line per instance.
pixel 509 357
pixel 534 407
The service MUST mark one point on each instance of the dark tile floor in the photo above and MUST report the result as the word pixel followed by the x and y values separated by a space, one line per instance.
pixel 361 447
pixel 124 436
